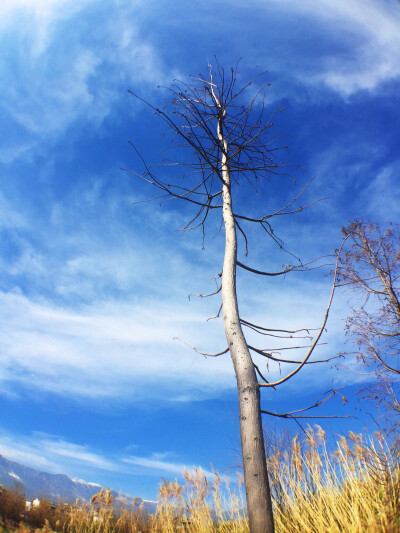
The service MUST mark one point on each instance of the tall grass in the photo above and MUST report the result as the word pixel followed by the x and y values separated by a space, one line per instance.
pixel 355 489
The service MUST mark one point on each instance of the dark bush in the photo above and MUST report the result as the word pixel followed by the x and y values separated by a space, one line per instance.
pixel 12 504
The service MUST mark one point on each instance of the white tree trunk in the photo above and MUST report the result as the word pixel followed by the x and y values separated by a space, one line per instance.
pixel 251 432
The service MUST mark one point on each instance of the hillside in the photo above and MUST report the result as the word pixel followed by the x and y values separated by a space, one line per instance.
pixel 55 487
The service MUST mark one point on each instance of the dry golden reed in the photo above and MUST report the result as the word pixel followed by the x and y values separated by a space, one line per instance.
pixel 355 489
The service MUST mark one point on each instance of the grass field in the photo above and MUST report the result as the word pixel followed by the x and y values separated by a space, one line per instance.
pixel 354 489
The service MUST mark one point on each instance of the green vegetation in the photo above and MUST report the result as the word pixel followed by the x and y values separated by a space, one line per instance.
pixel 355 489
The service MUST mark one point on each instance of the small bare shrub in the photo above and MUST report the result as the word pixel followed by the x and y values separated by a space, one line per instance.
pixel 12 504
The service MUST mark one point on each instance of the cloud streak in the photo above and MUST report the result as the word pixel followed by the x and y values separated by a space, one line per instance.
pixel 53 454
pixel 157 463
pixel 371 30
pixel 120 351
pixel 79 78
pixel 125 352
pixel 99 322
pixel 358 46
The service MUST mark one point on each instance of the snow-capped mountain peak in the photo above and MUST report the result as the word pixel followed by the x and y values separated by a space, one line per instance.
pixel 57 487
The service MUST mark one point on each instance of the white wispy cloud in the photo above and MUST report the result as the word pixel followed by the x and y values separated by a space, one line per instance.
pixel 101 347
pixel 353 170
pixel 54 454
pixel 58 83
pixel 44 11
pixel 358 43
pixel 125 351
pixel 157 464
pixel 53 48
pixel 381 197
pixel 100 324
pixel 9 216
pixel 51 453
pixel 372 32
pixel 74 452
pixel 107 350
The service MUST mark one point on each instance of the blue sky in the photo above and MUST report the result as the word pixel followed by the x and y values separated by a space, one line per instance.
pixel 93 289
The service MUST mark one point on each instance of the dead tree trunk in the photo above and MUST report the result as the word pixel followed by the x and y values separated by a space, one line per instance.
pixel 259 504
pixel 230 145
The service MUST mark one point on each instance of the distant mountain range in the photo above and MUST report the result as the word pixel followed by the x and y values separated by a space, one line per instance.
pixel 56 487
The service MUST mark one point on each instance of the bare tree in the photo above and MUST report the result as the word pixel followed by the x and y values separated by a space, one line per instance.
pixel 231 145
pixel 371 267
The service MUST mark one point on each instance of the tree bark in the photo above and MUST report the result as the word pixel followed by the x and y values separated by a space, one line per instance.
pixel 259 504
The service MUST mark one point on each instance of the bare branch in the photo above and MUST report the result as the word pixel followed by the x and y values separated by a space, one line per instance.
pixel 325 397
pixel 244 236
pixel 261 376
pixel 217 315
pixel 294 372
pixel 202 353
pixel 206 295
pixel 371 267
pixel 264 273
pixel 255 326
pixel 269 355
